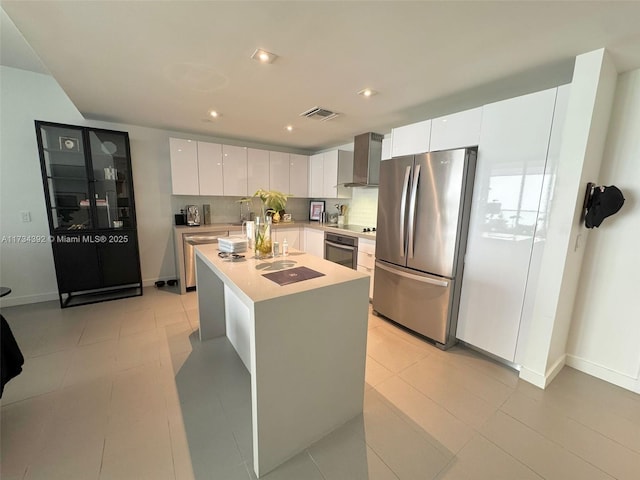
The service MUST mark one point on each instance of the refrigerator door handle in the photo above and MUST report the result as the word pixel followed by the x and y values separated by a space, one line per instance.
pixel 403 207
pixel 417 278
pixel 412 209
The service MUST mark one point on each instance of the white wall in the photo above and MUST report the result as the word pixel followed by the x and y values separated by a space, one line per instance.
pixel 26 267
pixel 605 334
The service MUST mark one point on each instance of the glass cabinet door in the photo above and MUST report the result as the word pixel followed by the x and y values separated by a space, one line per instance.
pixel 112 179
pixel 67 177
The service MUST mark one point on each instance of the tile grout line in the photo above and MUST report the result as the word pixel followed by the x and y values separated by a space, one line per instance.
pixel 555 443
pixel 313 460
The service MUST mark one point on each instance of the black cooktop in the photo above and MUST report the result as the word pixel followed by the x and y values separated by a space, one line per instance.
pixel 355 228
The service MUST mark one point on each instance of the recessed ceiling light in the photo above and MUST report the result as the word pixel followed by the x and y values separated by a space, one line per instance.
pixel 263 56
pixel 214 114
pixel 289 128
pixel 367 92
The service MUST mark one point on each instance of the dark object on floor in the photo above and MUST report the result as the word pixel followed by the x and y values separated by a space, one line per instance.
pixel 171 283
pixel 604 202
pixel 160 283
pixel 12 359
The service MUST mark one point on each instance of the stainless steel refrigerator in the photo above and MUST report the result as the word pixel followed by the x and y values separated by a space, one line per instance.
pixel 423 217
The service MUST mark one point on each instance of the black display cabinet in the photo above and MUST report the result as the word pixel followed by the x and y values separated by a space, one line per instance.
pixel 88 189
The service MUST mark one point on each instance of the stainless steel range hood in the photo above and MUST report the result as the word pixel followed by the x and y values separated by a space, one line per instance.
pixel 367 152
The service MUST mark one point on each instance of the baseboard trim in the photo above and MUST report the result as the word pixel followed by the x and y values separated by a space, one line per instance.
pixel 603 373
pixel 540 380
pixel 14 301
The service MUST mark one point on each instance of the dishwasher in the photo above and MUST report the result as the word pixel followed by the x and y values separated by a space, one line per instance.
pixel 190 241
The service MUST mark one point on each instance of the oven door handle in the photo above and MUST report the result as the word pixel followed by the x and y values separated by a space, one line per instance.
pixel 338 245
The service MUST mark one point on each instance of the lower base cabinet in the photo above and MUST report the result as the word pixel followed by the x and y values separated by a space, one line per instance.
pixel 314 242
pixel 291 235
pixel 105 263
pixel 367 260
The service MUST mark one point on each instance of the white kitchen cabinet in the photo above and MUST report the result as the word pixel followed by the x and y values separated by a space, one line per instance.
pixel 330 175
pixel 298 175
pixel 210 178
pixel 288 232
pixel 458 130
pixel 509 181
pixel 279 171
pixel 314 241
pixel 204 168
pixel 411 139
pixel 184 166
pixel 386 148
pixel 234 164
pixel 553 160
pixel 367 259
pixel 338 170
pixel 257 170
pixel 316 175
pixel 328 172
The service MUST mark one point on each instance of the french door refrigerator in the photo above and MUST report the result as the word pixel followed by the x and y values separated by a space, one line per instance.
pixel 423 216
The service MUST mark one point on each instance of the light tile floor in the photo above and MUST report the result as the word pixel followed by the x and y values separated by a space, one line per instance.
pixel 125 390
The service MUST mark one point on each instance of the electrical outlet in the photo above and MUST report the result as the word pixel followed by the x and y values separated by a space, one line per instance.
pixel 578 242
pixel 25 215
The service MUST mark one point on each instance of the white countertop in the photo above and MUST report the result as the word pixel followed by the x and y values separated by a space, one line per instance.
pixel 216 227
pixel 247 275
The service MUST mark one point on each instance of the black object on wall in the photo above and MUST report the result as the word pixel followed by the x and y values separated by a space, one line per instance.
pixel 600 203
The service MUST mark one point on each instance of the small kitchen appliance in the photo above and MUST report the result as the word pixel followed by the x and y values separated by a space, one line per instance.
pixel 193 215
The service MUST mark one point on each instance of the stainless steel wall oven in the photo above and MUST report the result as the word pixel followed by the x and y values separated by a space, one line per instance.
pixel 342 249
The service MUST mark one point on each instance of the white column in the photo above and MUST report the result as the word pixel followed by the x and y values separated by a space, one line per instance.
pixel 588 112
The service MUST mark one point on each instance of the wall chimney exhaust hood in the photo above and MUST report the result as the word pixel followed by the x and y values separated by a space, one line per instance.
pixel 367 152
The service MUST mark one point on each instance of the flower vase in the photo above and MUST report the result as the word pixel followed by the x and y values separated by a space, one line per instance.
pixel 262 243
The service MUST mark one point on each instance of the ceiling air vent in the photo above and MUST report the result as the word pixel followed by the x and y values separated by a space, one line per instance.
pixel 318 113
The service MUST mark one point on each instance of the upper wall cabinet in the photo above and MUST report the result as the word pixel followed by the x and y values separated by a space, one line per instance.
pixel 203 168
pixel 257 170
pixel 196 167
pixel 210 168
pixel 279 171
pixel 411 139
pixel 328 172
pixel 386 149
pixel 184 166
pixel 234 166
pixel 458 130
pixel 298 175
pixel 316 175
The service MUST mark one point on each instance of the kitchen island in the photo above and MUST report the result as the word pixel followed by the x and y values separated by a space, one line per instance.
pixel 303 343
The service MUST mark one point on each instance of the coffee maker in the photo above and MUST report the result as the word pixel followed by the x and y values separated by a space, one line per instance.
pixel 193 215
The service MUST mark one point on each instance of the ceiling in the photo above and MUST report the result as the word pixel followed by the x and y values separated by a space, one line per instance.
pixel 166 64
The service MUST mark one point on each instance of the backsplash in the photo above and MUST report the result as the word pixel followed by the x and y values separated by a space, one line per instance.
pixel 228 210
pixel 362 208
